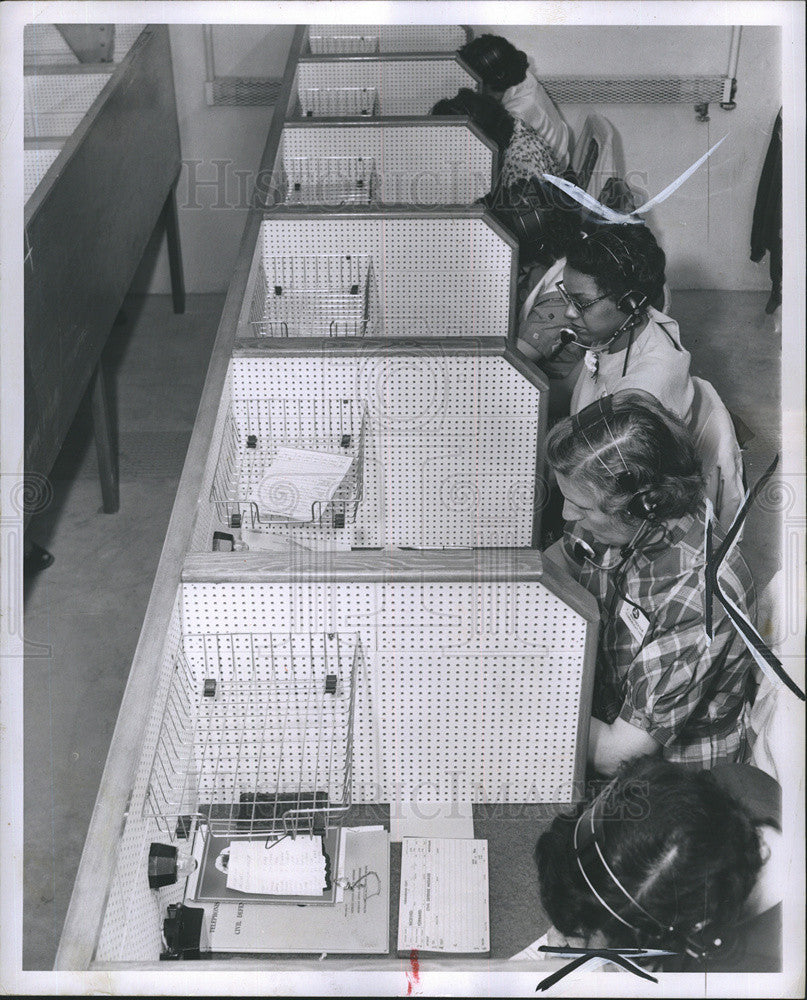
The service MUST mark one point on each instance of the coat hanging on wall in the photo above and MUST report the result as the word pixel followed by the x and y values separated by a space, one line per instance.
pixel 766 228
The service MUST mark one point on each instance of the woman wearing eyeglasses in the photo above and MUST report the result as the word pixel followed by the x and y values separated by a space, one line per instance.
pixel 603 302
pixel 635 528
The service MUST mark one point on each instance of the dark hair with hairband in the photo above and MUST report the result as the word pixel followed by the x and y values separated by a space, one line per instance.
pixel 483 110
pixel 662 858
pixel 626 263
pixel 498 62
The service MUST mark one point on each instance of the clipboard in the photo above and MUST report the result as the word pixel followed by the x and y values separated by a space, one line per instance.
pixel 358 924
pixel 208 883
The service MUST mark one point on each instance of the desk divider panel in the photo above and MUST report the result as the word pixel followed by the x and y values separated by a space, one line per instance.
pixel 439 275
pixel 346 39
pixel 422 163
pixel 44 44
pixel 475 683
pixel 445 443
pixel 55 103
pixel 36 163
pixel 371 86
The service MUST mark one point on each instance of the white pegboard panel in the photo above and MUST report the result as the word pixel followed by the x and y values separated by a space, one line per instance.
pixel 424 164
pixel 459 701
pixel 125 37
pixel 404 86
pixel 132 924
pixel 450 446
pixel 346 38
pixel 467 689
pixel 436 277
pixel 54 104
pixel 322 179
pixel 35 165
pixel 43 44
pixel 271 724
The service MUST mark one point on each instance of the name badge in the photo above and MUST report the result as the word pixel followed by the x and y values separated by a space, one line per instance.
pixel 637 622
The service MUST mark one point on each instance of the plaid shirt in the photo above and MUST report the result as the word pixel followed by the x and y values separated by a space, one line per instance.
pixel 655 668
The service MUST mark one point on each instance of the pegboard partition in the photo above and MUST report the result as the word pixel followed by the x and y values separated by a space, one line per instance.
pixel 256 737
pixel 132 925
pixel 436 277
pixel 35 165
pixel 425 164
pixel 458 702
pixel 44 45
pixel 54 104
pixel 450 446
pixel 347 38
pixel 403 86
pixel 466 689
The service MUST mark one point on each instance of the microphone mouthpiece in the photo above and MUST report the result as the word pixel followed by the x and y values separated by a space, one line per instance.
pixel 566 336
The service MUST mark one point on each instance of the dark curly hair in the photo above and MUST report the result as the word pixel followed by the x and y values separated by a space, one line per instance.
pixel 540 216
pixel 642 447
pixel 484 111
pixel 683 848
pixel 621 258
pixel 498 62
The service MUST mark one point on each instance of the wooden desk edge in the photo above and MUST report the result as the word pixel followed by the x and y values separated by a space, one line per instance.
pixel 85 912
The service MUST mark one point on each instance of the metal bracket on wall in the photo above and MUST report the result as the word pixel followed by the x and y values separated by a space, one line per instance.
pixel 702 111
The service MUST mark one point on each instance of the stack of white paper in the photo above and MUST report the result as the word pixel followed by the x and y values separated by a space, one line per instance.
pixel 288 867
pixel 297 479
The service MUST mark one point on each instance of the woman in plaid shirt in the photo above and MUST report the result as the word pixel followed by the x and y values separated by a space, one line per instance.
pixel 634 538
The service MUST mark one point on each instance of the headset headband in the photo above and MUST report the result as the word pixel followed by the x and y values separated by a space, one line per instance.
pixel 601 411
pixel 599 237
pixel 587 848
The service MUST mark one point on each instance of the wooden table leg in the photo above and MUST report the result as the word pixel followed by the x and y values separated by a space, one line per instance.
pixel 104 441
pixel 171 221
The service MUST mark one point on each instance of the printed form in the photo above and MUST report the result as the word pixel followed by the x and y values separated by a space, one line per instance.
pixel 444 896
pixel 299 479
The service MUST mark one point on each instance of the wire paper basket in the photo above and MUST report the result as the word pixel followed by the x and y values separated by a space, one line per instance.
pixel 338 44
pixel 256 736
pixel 254 431
pixel 329 180
pixel 338 102
pixel 313 296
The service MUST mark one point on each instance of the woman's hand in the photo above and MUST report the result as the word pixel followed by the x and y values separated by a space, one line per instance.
pixel 556 939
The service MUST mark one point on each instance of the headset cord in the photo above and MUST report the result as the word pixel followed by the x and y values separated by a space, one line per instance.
pixel 620 570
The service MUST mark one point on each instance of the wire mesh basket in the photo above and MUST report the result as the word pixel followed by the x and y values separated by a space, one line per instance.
pixel 314 296
pixel 257 733
pixel 330 180
pixel 339 44
pixel 255 430
pixel 338 102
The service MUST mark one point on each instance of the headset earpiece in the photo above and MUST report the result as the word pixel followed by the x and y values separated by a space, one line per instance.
pixel 639 506
pixel 632 304
pixel 704 941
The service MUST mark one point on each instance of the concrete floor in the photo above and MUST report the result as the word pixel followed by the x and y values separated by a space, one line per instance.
pixel 88 607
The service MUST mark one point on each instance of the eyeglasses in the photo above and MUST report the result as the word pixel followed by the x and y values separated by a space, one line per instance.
pixel 578 306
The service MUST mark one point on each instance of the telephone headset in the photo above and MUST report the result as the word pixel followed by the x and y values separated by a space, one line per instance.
pixel 699 941
pixel 601 411
pixel 487 61
pixel 633 302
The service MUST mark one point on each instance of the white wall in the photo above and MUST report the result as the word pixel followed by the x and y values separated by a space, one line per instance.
pixel 705 226
pixel 211 233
